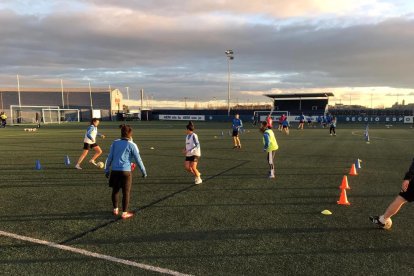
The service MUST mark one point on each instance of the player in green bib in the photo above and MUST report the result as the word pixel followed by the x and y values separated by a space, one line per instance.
pixel 270 147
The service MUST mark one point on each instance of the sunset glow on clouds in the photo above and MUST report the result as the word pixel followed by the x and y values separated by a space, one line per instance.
pixel 175 49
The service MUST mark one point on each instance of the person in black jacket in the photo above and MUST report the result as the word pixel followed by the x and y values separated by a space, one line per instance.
pixel 406 195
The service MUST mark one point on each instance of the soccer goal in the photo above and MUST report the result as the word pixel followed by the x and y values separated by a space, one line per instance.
pixel 35 115
pixel 260 116
pixel 60 115
pixel 27 114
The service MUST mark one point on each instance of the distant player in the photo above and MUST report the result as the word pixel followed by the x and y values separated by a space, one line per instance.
pixel 3 118
pixel 270 147
pixel 89 142
pixel 192 153
pixel 118 169
pixel 332 127
pixel 309 119
pixel 237 125
pixel 269 121
pixel 324 121
pixel 319 120
pixel 281 119
pixel 406 195
pixel 285 126
pixel 301 121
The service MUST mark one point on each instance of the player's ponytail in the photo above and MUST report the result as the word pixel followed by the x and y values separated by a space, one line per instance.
pixel 263 126
pixel 94 120
pixel 190 126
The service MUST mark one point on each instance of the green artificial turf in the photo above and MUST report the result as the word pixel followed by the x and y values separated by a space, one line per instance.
pixel 237 222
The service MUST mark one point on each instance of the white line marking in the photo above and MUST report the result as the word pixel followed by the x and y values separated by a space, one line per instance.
pixel 92 254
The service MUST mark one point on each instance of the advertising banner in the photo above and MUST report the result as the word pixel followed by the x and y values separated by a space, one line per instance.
pixel 167 117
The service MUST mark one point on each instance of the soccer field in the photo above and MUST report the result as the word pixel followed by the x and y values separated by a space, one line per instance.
pixel 237 222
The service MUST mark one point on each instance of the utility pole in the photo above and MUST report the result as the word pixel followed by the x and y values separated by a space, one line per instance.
pixel 230 56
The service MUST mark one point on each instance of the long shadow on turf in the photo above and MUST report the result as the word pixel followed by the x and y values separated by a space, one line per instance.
pixel 59 216
pixel 220 235
pixel 149 205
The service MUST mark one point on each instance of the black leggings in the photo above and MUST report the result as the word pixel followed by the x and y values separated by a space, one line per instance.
pixel 332 129
pixel 120 180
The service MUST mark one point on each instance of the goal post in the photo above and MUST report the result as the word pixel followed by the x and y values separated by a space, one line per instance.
pixel 60 115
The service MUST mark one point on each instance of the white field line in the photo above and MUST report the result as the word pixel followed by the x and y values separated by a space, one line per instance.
pixel 92 254
pixel 357 133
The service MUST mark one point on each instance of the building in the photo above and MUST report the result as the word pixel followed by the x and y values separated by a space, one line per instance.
pixel 29 101
pixel 298 103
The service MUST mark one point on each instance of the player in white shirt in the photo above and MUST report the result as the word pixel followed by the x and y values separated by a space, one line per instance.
pixel 192 153
pixel 89 142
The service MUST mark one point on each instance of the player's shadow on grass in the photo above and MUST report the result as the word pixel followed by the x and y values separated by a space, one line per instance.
pixel 223 235
pixel 353 196
pixel 97 215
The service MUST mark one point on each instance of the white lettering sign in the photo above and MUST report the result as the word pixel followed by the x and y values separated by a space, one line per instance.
pixel 167 117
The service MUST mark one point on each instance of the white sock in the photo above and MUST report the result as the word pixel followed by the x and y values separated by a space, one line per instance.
pixel 381 219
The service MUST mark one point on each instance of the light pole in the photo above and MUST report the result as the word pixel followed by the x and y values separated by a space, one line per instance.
pixel 127 89
pixel 230 56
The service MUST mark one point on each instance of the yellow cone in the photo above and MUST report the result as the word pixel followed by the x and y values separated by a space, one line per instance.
pixel 326 212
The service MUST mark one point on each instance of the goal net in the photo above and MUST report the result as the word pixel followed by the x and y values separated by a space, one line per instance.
pixel 27 114
pixel 34 115
pixel 60 115
pixel 260 116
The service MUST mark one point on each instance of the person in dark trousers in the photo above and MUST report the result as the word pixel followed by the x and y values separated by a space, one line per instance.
pixel 3 118
pixel 406 195
pixel 332 128
pixel 118 169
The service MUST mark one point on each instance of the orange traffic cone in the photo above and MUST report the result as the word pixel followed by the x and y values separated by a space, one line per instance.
pixel 344 184
pixel 353 170
pixel 343 200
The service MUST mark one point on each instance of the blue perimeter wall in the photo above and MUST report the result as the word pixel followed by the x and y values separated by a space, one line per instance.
pixel 247 116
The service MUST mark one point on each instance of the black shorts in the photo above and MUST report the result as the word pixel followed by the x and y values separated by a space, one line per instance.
pixel 284 126
pixel 409 194
pixel 87 146
pixel 119 179
pixel 193 158
pixel 235 133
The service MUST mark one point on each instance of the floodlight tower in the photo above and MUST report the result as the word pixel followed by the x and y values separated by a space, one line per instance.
pixel 230 56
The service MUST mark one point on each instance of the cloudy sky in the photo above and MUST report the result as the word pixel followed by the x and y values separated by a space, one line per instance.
pixel 357 49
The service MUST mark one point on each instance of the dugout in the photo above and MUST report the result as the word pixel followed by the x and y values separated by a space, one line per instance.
pixel 313 104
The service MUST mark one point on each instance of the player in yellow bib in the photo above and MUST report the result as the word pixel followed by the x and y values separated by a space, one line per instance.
pixel 3 118
pixel 270 146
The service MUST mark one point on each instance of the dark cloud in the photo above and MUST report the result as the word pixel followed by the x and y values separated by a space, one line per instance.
pixel 176 61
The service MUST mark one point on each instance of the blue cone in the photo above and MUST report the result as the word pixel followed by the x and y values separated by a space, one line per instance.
pixel 358 164
pixel 38 166
pixel 67 160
